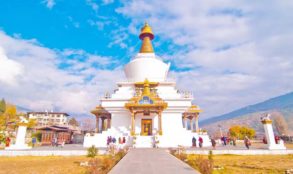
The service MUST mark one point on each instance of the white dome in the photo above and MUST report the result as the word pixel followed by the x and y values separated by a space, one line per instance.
pixel 146 66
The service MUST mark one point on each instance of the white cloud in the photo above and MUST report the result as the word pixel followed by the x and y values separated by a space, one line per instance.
pixel 106 2
pixel 43 80
pixel 93 5
pixel 235 52
pixel 49 3
pixel 9 69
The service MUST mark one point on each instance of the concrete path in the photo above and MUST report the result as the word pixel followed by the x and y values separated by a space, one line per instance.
pixel 151 161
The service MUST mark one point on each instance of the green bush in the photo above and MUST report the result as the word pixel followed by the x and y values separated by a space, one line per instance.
pixel 92 152
pixel 38 136
pixel 2 138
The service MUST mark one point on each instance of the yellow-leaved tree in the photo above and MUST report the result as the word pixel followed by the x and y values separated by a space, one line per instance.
pixel 240 132
pixel 8 117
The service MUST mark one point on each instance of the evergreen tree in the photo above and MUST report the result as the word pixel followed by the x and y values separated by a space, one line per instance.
pixel 2 106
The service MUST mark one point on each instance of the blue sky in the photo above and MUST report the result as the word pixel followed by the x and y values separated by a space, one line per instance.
pixel 62 55
pixel 92 26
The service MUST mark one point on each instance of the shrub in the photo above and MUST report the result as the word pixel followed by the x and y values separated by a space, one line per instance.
pixel 92 152
pixel 2 138
pixel 38 136
pixel 101 165
pixel 211 157
pixel 120 154
pixel 203 165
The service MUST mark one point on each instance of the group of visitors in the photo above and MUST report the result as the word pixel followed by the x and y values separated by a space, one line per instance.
pixel 228 140
pixel 200 142
pixel 232 141
pixel 225 141
pixel 112 140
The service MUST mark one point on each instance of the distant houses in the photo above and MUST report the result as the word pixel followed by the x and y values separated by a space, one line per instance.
pixel 54 126
pixel 49 118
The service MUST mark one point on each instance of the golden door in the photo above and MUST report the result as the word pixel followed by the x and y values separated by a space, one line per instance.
pixel 146 127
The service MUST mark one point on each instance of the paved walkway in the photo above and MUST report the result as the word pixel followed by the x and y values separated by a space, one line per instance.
pixel 151 161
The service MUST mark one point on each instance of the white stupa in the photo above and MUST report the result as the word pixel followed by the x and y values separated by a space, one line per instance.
pixel 147 105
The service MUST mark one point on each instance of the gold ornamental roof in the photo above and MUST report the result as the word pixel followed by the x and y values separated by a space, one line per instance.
pixel 193 109
pixel 100 111
pixel 146 100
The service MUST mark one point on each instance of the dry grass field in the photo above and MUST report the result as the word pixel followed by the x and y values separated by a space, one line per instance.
pixel 289 146
pixel 259 164
pixel 42 165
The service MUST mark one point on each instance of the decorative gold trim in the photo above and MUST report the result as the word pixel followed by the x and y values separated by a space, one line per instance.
pixel 194 109
pixel 158 103
pixel 267 121
pixel 22 124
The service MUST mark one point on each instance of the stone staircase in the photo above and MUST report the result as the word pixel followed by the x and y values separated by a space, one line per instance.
pixel 144 141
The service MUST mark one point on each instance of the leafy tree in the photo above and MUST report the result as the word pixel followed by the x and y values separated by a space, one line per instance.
pixel 241 131
pixel 32 123
pixel 2 106
pixel 38 136
pixel 281 124
pixel 10 115
pixel 73 122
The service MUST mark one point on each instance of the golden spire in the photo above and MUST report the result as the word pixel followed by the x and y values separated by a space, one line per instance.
pixel 146 35
pixel 146 88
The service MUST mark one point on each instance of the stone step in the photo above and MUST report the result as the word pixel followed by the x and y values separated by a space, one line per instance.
pixel 144 141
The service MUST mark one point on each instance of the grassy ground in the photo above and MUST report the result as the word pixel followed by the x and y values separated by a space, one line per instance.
pixel 44 165
pixel 289 146
pixel 258 164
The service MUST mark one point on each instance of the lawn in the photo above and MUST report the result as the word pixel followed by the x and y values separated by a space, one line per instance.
pixel 289 146
pixel 44 165
pixel 259 164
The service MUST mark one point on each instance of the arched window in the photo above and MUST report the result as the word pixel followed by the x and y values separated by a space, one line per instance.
pixel 146 100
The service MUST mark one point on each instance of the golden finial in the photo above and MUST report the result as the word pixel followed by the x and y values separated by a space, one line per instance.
pixel 146 88
pixel 146 35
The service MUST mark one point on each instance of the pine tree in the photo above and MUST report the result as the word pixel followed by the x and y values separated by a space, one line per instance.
pixel 2 106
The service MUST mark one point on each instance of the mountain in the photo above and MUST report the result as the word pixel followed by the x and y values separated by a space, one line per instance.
pixel 250 115
pixel 22 109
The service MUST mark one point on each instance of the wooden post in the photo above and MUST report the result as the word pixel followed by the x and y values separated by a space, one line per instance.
pixel 97 124
pixel 103 123
pixel 196 122
pixel 108 122
pixel 185 121
pixel 160 123
pixel 132 123
pixel 191 124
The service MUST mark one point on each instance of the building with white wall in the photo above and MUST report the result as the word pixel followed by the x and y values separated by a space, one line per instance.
pixel 49 118
pixel 147 106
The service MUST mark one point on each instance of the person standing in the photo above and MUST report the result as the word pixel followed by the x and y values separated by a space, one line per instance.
pixel 7 142
pixel 193 142
pixel 34 141
pixel 225 140
pixel 56 141
pixel 247 142
pixel 234 141
pixel 114 140
pixel 213 143
pixel 200 140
